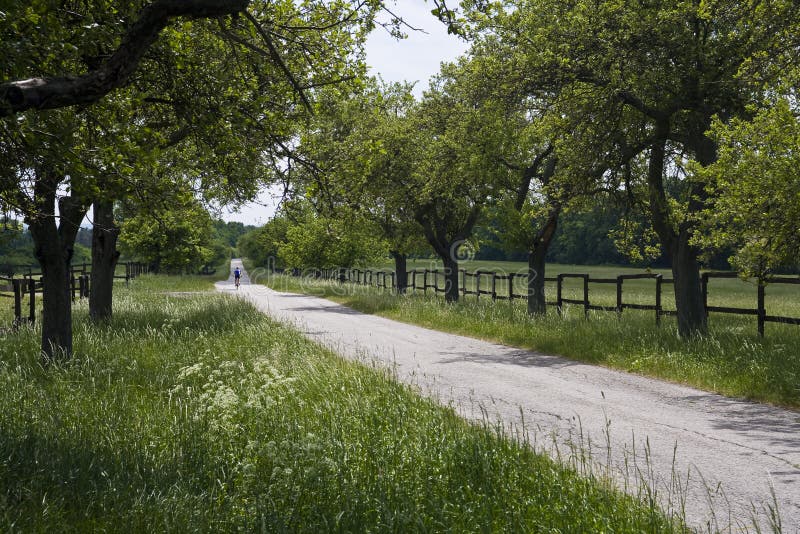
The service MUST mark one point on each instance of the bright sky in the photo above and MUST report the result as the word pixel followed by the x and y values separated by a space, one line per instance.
pixel 414 59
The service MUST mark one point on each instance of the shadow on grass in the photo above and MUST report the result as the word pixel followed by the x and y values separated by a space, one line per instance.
pixel 47 476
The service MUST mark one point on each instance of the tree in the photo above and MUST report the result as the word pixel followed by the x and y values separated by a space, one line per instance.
pixel 261 245
pixel 664 70
pixel 318 242
pixel 360 156
pixel 178 239
pixel 756 191
pixel 457 171
pixel 280 50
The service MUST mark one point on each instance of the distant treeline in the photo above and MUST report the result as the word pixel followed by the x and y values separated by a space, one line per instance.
pixel 17 249
pixel 585 238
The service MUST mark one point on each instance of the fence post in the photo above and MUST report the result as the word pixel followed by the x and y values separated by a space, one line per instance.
pixel 762 312
pixel 511 287
pixel 463 281
pixel 32 303
pixel 619 296
pixel 586 296
pixel 659 281
pixel 494 285
pixel 559 280
pixel 478 284
pixel 424 280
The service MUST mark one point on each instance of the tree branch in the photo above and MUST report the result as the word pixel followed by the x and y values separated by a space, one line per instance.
pixel 276 57
pixel 63 91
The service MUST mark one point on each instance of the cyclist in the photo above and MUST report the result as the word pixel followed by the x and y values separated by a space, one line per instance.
pixel 237 275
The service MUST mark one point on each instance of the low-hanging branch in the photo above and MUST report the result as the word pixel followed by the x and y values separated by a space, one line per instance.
pixel 63 91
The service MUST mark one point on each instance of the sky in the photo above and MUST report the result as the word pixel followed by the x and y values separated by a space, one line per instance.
pixel 414 59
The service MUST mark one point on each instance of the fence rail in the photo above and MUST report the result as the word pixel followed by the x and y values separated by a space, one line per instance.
pixel 29 284
pixel 484 283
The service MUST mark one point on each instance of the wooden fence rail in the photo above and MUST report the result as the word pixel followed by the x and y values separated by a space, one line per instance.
pixel 485 284
pixel 29 284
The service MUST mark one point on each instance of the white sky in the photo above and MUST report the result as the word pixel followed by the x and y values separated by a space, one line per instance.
pixel 414 59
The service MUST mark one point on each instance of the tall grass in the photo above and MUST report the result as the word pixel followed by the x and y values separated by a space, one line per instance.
pixel 731 359
pixel 196 413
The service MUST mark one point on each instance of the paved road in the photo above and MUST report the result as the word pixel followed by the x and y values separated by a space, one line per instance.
pixel 731 453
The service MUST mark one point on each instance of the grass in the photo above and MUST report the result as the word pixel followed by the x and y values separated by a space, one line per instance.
pixel 197 413
pixel 731 360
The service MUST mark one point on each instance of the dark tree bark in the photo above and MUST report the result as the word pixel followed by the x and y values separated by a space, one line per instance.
pixel 543 168
pixel 401 271
pixel 58 92
pixel 537 304
pixel 54 248
pixel 445 236
pixel 450 278
pixel 692 318
pixel 676 240
pixel 104 261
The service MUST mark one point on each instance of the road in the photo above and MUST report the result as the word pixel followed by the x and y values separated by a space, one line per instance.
pixel 714 457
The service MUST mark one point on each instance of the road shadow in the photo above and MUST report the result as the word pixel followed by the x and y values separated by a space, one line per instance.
pixel 342 310
pixel 779 427
pixel 507 356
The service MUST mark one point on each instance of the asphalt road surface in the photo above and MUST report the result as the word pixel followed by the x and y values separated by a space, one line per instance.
pixel 724 462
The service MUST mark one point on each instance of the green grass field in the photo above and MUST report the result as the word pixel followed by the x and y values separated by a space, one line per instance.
pixel 197 413
pixel 731 359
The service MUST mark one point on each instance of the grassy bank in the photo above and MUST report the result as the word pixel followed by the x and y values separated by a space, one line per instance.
pixel 731 359
pixel 196 413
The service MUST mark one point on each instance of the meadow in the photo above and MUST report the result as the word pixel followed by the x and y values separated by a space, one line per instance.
pixel 731 359
pixel 191 411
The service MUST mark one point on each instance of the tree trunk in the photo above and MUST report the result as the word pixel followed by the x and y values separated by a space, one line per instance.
pixel 54 248
pixel 692 318
pixel 537 304
pixel 104 261
pixel 56 297
pixel 683 256
pixel 536 268
pixel 450 279
pixel 401 272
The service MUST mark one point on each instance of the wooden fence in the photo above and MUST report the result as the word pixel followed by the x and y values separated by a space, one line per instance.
pixel 486 283
pixel 29 285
